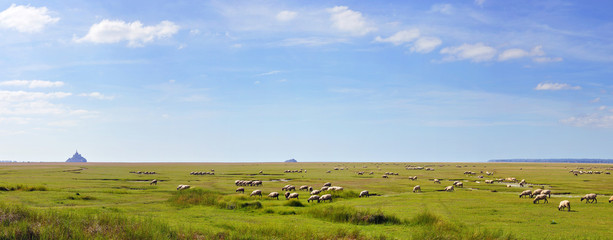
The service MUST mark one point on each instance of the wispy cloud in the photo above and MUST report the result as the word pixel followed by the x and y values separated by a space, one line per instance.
pixel 285 16
pixel 478 52
pixel 591 120
pixel 26 19
pixel 311 41
pixel 97 95
pixel 426 44
pixel 108 31
pixel 269 73
pixel 444 8
pixel 32 83
pixel 349 21
pixel 400 37
pixel 556 87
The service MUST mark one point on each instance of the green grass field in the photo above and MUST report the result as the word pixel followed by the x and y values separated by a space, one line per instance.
pixel 105 200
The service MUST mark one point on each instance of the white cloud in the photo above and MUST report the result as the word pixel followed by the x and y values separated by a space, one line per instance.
pixel 256 82
pixel 514 53
pixel 20 96
pixel 269 73
pixel 425 44
pixel 547 59
pixel 442 8
pixel 311 41
pixel 14 120
pixel 32 83
pixel 352 22
pixel 476 53
pixel 592 120
pixel 400 37
pixel 26 19
pixel 97 95
pixel 479 2
pixel 135 33
pixel 556 86
pixel 285 16
pixel 595 100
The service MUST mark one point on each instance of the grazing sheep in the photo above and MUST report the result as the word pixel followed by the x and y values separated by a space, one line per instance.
pixel 274 195
pixel 261 172
pixel 287 194
pixel 304 187
pixel 315 192
pixel 364 194
pixel 508 185
pixel 522 183
pixel 590 197
pixel 324 188
pixel 328 184
pixel 564 204
pixel 325 197
pixel 539 198
pixel 293 195
pixel 459 184
pixel 437 181
pixel 183 187
pixel 417 188
pixel 313 198
pixel 611 199
pixel 536 192
pixel 449 189
pixel 256 192
pixel 547 192
pixel 291 188
pixel 489 181
pixel 310 189
pixel 154 182
pixel 384 176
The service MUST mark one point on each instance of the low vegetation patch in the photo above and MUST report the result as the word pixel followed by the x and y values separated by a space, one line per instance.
pixel 352 215
pixel 294 203
pixel 81 197
pixel 190 197
pixel 23 188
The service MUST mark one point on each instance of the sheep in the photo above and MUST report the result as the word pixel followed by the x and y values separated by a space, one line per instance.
pixel 459 184
pixel 564 204
pixel 315 192
pixel 310 189
pixel 417 188
pixel 256 192
pixel 313 198
pixel 183 187
pixel 540 197
pixel 324 188
pixel 364 194
pixel 536 192
pixel 522 183
pixel 384 176
pixel 328 184
pixel 154 182
pixel 274 195
pixel 291 188
pixel 287 194
pixel 304 187
pixel 240 189
pixel 325 197
pixel 547 192
pixel 489 181
pixel 437 181
pixel 508 185
pixel 611 199
pixel 449 189
pixel 293 195
pixel 261 172
pixel 590 197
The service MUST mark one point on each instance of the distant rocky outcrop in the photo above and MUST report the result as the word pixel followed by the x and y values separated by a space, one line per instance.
pixel 291 160
pixel 76 158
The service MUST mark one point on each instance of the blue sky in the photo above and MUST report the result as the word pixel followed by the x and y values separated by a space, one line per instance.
pixel 229 81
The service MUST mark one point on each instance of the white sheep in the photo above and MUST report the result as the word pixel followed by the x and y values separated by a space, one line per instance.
pixel 256 192
pixel 183 187
pixel 489 181
pixel 611 199
pixel 546 192
pixel 274 195
pixel 240 189
pixel 293 195
pixel 313 198
pixel 325 197
pixel 315 192
pixel 364 194
pixel 154 182
pixel 564 204
pixel 304 187
pixel 458 184
pixel 437 181
pixel 590 197
pixel 525 193
pixel 328 184
pixel 539 198
pixel 417 188
pixel 536 192
pixel 449 189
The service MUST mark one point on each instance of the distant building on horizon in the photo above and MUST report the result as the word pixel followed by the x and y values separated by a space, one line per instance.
pixel 76 158
pixel 291 160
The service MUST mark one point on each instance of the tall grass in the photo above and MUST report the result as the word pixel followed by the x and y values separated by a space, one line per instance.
pixel 190 197
pixel 23 188
pixel 347 214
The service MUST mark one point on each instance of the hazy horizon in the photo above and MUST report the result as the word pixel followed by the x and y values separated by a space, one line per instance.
pixel 266 81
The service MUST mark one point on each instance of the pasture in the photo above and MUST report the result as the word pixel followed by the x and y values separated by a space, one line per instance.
pixel 111 200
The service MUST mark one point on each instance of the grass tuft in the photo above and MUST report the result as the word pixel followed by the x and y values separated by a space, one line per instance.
pixel 294 203
pixel 23 188
pixel 352 215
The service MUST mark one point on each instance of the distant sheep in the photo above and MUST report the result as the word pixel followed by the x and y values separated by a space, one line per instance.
pixel 489 181
pixel 437 181
pixel 256 193
pixel 539 198
pixel 324 188
pixel 315 192
pixel 274 195
pixel 328 184
pixel 449 189
pixel 384 176
pixel 526 193
pixel 547 192
pixel 304 187
pixel 325 197
pixel 459 184
pixel 313 198
pixel 417 188
pixel 364 194
pixel 293 195
pixel 154 182
pixel 564 204
pixel 590 197
pixel 183 187
pixel 611 199
pixel 536 192
pixel 240 189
